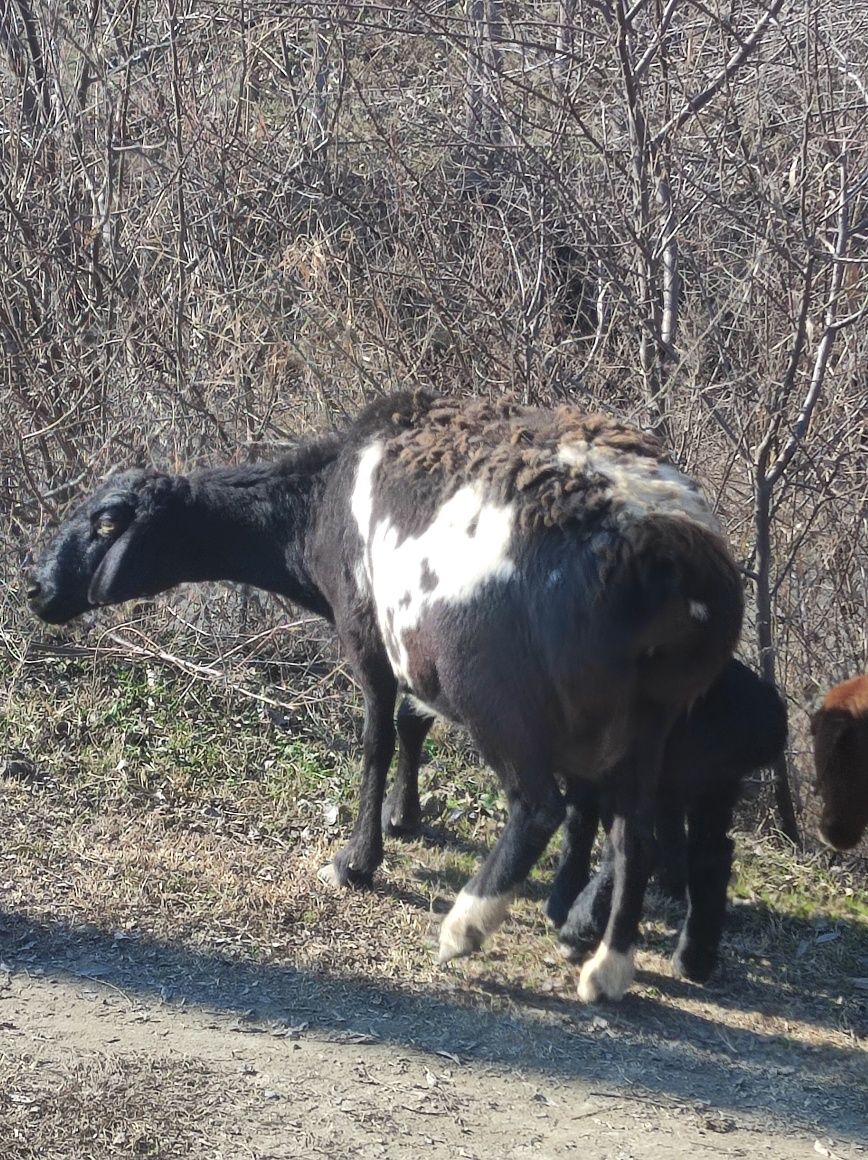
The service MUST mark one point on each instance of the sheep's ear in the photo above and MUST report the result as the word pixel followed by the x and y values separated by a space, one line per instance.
pixel 124 571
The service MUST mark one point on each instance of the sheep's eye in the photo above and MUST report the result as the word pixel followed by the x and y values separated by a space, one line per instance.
pixel 106 526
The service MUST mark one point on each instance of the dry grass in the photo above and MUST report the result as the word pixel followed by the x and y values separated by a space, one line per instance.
pixel 142 817
pixel 103 1108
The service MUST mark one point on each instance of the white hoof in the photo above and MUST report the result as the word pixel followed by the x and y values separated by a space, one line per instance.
pixel 469 923
pixel 606 976
pixel 329 875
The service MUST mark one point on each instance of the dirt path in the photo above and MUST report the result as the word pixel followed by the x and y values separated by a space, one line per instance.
pixel 116 1047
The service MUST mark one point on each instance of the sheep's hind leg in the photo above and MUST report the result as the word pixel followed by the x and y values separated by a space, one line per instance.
pixel 588 917
pixel 709 865
pixel 402 813
pixel 671 869
pixel 610 971
pixel 481 906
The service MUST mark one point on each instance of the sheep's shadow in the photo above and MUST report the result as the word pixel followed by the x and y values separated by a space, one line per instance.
pixel 683 1054
pixel 751 977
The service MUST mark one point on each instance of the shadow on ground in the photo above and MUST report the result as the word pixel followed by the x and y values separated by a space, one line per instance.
pixel 641 1043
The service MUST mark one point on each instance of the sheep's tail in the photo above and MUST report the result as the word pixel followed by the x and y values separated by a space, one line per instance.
pixel 687 605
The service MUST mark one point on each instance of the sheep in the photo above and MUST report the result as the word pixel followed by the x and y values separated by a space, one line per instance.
pixel 546 578
pixel 736 728
pixel 840 732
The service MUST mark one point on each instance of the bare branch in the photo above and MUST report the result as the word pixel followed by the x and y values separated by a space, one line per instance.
pixel 699 100
pixel 824 349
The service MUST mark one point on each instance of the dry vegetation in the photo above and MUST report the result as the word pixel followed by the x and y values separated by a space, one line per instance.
pixel 166 945
pixel 225 223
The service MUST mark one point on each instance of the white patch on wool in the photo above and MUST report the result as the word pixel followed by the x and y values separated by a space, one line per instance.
pixel 554 578
pixel 607 975
pixel 470 921
pixel 362 500
pixel 698 610
pixel 465 546
pixel 641 486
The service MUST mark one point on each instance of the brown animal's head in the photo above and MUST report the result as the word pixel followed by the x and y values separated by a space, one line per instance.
pixel 840 731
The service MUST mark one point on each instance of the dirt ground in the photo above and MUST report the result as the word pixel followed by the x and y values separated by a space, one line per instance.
pixel 119 1043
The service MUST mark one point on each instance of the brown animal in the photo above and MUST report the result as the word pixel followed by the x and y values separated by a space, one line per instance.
pixel 840 729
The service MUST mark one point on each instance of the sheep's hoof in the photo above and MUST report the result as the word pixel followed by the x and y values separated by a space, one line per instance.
pixel 578 938
pixel 400 823
pixel 344 870
pixel 693 963
pixel 333 875
pixel 672 886
pixel 558 907
pixel 606 976
pixel 469 923
pixel 329 875
pixel 570 953
pixel 456 942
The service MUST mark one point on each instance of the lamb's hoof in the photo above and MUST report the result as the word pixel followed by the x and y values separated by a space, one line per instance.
pixel 692 963
pixel 606 976
pixel 469 923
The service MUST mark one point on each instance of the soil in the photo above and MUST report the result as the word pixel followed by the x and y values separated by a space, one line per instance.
pixel 113 1045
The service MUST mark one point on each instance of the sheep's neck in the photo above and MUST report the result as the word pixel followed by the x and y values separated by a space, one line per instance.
pixel 255 534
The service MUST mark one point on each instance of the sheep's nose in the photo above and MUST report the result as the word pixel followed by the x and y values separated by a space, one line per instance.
pixel 33 590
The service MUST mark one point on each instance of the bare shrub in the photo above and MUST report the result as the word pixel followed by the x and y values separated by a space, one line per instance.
pixel 224 223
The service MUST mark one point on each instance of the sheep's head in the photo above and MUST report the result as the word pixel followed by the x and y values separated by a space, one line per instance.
pixel 110 549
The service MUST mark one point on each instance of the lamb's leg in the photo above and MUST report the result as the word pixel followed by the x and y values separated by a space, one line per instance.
pixel 356 863
pixel 574 869
pixel 709 865
pixel 634 789
pixel 481 907
pixel 671 869
pixel 402 813
pixel 588 916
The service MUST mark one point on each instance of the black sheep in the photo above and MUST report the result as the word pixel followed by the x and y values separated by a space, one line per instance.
pixel 543 577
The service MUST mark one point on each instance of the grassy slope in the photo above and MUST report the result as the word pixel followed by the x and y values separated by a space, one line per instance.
pixel 136 799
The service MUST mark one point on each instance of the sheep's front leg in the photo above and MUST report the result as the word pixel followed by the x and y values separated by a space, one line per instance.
pixel 402 812
pixel 481 906
pixel 356 863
